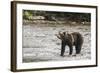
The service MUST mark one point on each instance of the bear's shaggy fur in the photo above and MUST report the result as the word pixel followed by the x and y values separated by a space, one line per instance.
pixel 72 39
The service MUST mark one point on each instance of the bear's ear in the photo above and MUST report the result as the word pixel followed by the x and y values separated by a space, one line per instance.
pixel 64 33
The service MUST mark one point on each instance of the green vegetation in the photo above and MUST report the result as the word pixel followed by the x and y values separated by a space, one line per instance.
pixel 59 16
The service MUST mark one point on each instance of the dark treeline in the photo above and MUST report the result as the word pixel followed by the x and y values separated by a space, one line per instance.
pixel 62 16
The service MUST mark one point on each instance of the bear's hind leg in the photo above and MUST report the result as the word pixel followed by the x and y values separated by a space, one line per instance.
pixel 78 49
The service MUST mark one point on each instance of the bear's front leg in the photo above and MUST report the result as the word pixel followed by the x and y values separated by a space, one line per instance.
pixel 63 48
pixel 70 49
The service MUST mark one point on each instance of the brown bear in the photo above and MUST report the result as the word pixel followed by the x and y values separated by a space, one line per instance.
pixel 72 39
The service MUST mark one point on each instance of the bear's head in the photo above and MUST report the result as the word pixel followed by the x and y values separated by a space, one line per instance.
pixel 62 35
